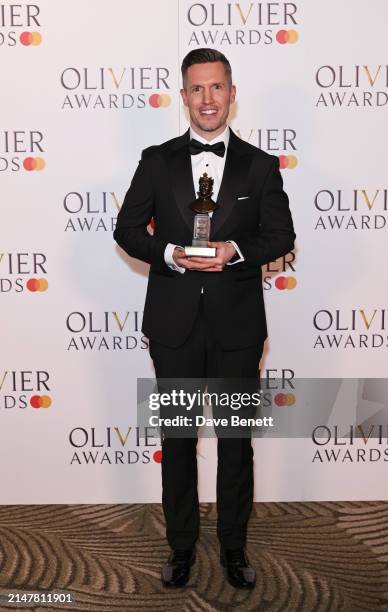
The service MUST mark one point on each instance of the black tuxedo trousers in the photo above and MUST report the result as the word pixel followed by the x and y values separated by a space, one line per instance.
pixel 217 333
pixel 201 357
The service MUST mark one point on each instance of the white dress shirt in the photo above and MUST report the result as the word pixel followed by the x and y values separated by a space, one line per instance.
pixel 214 166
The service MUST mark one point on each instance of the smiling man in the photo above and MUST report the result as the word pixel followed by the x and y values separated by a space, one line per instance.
pixel 205 317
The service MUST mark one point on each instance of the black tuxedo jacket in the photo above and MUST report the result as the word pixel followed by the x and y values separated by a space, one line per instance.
pixel 253 212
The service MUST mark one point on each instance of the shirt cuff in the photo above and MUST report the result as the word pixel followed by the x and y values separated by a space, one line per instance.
pixel 238 257
pixel 168 258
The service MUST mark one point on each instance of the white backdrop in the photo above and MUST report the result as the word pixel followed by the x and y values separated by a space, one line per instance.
pixel 85 86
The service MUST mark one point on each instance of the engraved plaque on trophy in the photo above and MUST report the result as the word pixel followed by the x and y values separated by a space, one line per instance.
pixel 203 205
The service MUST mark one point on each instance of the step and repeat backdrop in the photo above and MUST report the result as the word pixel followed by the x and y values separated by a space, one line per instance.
pixel 85 86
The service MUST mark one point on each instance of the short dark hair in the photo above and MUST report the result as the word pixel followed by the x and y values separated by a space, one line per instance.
pixel 203 56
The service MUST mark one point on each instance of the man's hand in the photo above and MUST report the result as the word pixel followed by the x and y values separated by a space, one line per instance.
pixel 225 252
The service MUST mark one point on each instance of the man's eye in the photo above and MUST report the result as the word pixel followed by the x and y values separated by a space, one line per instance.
pixel 218 86
pixel 195 88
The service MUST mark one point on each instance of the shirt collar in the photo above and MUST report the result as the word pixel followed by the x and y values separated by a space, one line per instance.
pixel 224 137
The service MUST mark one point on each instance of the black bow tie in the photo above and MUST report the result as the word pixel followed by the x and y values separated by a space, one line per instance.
pixel 197 147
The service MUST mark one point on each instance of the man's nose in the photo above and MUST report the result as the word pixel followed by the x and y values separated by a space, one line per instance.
pixel 207 95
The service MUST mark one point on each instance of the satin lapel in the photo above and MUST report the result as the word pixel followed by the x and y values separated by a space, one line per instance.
pixel 181 178
pixel 233 181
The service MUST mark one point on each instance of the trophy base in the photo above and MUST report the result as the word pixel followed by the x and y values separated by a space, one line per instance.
pixel 200 251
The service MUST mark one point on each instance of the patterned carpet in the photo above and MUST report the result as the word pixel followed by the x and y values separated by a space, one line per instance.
pixel 309 557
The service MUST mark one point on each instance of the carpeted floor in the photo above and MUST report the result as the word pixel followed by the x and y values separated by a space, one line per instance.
pixel 309 557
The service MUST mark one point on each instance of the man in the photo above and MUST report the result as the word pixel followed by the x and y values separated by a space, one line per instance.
pixel 205 317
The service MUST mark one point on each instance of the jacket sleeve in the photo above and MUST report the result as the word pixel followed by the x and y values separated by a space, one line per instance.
pixel 275 235
pixel 135 214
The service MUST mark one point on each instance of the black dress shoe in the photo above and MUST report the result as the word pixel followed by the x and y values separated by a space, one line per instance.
pixel 176 572
pixel 238 571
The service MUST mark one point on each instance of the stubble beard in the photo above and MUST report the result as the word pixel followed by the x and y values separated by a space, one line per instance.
pixel 207 128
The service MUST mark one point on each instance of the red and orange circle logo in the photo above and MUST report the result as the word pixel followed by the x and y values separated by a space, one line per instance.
pixel 37 284
pixel 288 162
pixel 30 38
pixel 33 163
pixel 287 36
pixel 285 282
pixel 159 100
pixel 40 401
pixel 284 399
pixel 157 456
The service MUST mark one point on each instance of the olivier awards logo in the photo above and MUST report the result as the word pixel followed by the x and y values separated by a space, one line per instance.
pixel 114 446
pixel 357 209
pixel 286 266
pixel 20 272
pixel 357 444
pixel 128 87
pixel 25 389
pixel 360 86
pixel 14 19
pixel 241 23
pixel 362 328
pixel 105 331
pixel 21 150
pixel 273 141
pixel 91 212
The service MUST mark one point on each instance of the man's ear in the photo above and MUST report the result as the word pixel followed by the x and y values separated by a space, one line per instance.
pixel 184 96
pixel 233 94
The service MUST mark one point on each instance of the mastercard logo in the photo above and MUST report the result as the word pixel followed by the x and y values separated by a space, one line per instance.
pixel 40 401
pixel 285 282
pixel 157 456
pixel 287 36
pixel 33 163
pixel 30 38
pixel 284 399
pixel 159 100
pixel 288 162
pixel 37 284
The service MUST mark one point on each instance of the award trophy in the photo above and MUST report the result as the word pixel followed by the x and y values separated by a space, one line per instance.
pixel 203 205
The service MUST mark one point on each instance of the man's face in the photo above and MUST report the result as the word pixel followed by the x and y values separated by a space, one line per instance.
pixel 208 97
